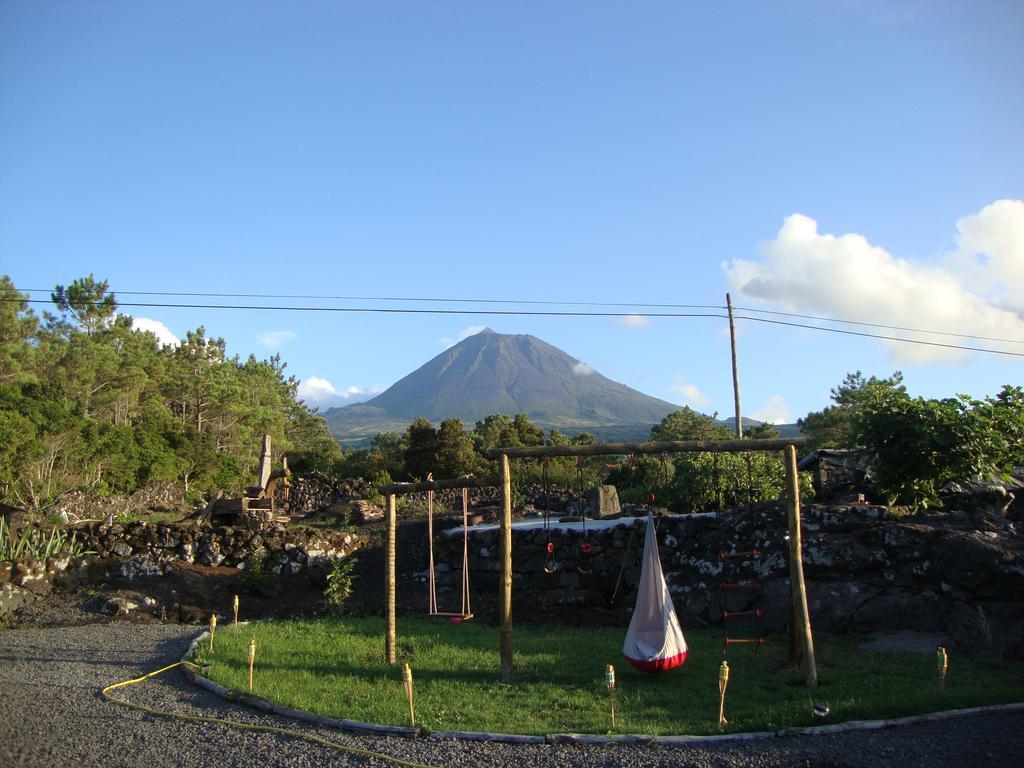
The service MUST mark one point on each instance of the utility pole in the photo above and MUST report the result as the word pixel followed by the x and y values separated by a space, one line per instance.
pixel 735 369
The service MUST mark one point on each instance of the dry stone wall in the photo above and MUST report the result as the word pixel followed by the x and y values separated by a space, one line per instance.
pixel 955 572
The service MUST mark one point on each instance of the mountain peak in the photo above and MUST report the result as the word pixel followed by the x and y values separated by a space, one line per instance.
pixel 487 329
pixel 508 374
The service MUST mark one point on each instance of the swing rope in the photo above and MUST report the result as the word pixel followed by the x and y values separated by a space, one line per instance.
pixel 467 612
pixel 550 564
pixel 585 547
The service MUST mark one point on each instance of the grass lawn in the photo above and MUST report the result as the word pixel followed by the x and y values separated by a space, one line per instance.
pixel 335 667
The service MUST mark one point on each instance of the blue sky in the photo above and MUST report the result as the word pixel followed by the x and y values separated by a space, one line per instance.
pixel 852 160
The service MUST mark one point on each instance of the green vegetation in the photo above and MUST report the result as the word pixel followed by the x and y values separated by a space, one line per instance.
pixel 86 402
pixel 695 482
pixel 916 445
pixel 256 576
pixel 336 668
pixel 33 543
pixel 339 582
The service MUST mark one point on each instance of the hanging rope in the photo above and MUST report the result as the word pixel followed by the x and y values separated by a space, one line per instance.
pixel 550 564
pixel 467 613
pixel 584 566
pixel 431 588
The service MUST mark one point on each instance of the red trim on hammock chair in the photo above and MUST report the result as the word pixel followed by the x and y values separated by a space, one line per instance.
pixel 659 665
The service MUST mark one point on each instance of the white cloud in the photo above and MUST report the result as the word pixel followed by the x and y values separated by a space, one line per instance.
pixel 848 278
pixel 164 336
pixel 991 252
pixel 689 391
pixel 275 339
pixel 465 333
pixel 320 393
pixel 775 411
pixel 582 369
pixel 633 321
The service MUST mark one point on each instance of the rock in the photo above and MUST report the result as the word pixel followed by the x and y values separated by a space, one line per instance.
pixel 121 549
pixel 12 598
pixel 896 608
pixel 139 565
pixel 120 607
pixel 191 614
pixel 364 512
pixel 604 501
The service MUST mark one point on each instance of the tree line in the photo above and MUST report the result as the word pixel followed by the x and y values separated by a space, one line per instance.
pixel 86 402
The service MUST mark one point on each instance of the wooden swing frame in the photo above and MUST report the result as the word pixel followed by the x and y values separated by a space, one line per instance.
pixel 801 643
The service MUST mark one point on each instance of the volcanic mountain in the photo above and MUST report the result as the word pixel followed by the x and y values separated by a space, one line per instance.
pixel 501 373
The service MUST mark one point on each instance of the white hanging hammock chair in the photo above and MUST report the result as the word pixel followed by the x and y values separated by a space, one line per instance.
pixel 654 641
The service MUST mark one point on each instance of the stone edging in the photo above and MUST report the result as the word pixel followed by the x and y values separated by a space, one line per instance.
pixel 265 705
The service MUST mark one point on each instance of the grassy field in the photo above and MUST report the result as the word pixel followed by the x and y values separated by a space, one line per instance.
pixel 335 667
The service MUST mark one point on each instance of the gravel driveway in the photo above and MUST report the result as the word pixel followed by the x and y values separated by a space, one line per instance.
pixel 51 714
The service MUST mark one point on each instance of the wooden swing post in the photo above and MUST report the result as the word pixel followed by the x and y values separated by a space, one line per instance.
pixel 390 515
pixel 506 570
pixel 801 642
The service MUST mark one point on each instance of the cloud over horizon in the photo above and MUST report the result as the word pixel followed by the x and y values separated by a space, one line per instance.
pixel 689 391
pixel 465 333
pixel 632 321
pixel 320 393
pixel 164 336
pixel 775 411
pixel 978 290
pixel 275 339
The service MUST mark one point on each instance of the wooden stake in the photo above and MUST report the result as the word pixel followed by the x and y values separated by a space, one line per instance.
pixel 390 653
pixel 723 683
pixel 252 659
pixel 506 570
pixel 801 618
pixel 213 629
pixel 407 680
pixel 735 368
pixel 942 661
pixel 609 681
pixel 236 611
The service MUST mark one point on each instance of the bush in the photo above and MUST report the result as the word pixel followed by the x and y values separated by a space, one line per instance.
pixel 339 583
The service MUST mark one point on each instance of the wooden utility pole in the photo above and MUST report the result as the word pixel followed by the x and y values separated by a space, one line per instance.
pixel 391 520
pixel 506 570
pixel 801 646
pixel 735 367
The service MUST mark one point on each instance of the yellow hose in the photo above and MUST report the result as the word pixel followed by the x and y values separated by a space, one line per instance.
pixel 105 692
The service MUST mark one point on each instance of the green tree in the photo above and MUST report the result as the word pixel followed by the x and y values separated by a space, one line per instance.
pixel 18 327
pixel 687 424
pixel 421 448
pixel 455 453
pixel 833 426
pixel 763 432
pixel 917 445
pixel 88 304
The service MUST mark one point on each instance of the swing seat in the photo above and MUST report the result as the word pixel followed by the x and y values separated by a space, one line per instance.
pixel 654 641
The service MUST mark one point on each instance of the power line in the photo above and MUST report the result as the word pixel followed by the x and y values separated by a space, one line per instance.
pixel 433 299
pixel 881 325
pixel 539 302
pixel 541 313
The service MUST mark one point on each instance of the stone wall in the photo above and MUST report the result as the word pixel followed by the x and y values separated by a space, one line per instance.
pixel 955 572
pixel 143 547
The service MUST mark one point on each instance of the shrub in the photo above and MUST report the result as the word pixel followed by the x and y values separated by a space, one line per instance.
pixel 339 583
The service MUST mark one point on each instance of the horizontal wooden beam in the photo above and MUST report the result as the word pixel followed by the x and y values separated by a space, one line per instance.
pixel 438 485
pixel 670 446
